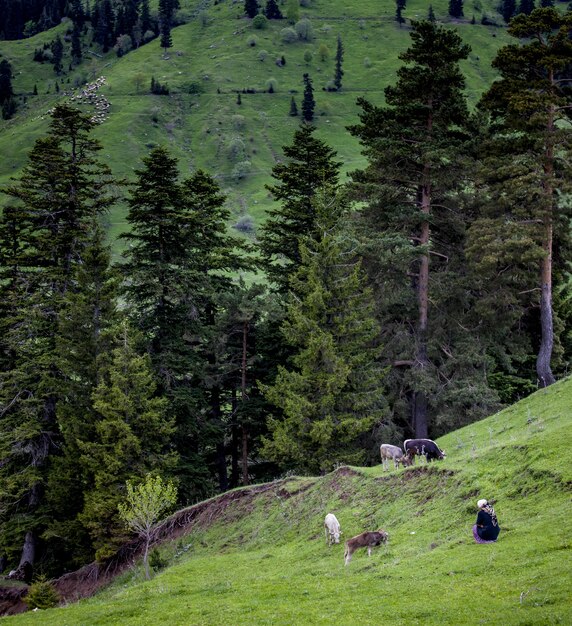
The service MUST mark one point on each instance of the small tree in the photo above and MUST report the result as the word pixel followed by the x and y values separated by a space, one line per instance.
pixel 456 8
pixel 145 504
pixel 308 103
pixel 431 14
pixel 251 8
pixel 272 11
pixel 339 58
pixel 293 107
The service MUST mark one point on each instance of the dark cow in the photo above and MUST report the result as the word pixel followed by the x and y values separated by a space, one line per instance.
pixel 423 447
pixel 369 540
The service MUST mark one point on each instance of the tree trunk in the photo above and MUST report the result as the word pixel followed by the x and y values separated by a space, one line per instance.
pixel 543 369
pixel 234 454
pixel 146 558
pixel 220 448
pixel 29 549
pixel 420 417
pixel 245 480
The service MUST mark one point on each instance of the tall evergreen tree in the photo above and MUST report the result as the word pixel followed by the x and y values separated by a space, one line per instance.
pixel 132 437
pixel 59 194
pixel 431 14
pixel 76 52
pixel 530 106
pixel 293 107
pixel 308 103
pixel 399 6
pixel 339 58
pixel 332 393
pixel 415 232
pixel 58 54
pixel 525 7
pixel 309 162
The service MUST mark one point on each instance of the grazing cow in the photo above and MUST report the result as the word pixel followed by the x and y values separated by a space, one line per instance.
pixel 369 540
pixel 389 452
pixel 423 447
pixel 332 529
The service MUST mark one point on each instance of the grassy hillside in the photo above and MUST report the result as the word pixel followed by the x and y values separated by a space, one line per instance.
pixel 262 559
pixel 215 55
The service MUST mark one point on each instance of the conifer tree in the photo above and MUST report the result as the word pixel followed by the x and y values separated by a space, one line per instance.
pixel 61 192
pixel 310 162
pixel 331 395
pixel 431 14
pixel 293 107
pixel 308 103
pixel 456 8
pixel 58 53
pixel 251 8
pixel 272 10
pixel 76 52
pixel 414 229
pixel 530 107
pixel 525 7
pixel 508 9
pixel 132 437
pixel 339 58
pixel 399 6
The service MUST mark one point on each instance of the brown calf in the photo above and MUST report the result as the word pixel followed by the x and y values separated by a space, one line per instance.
pixel 369 540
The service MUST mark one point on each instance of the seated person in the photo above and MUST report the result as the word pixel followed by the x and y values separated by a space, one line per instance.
pixel 487 529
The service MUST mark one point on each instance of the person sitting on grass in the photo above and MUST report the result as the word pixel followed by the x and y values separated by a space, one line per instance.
pixel 487 528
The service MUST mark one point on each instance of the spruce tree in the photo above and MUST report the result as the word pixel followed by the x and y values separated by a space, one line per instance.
pixel 293 107
pixel 272 10
pixel 431 14
pixel 309 162
pixel 530 106
pixel 132 437
pixel 251 8
pixel 61 191
pixel 525 7
pixel 76 52
pixel 339 58
pixel 456 8
pixel 414 231
pixel 508 9
pixel 308 103
pixel 331 395
pixel 58 53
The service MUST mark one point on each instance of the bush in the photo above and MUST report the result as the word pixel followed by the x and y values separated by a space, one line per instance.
pixel 251 41
pixel 236 150
pixel 308 56
pixel 241 170
pixel 305 30
pixel 156 561
pixel 42 595
pixel 288 35
pixel 323 52
pixel 262 55
pixel 260 22
pixel 271 85
pixel 245 224
pixel 367 62
pixel 238 121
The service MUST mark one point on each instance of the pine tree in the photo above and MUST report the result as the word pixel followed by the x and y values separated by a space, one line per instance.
pixel 399 6
pixel 414 230
pixel 59 194
pixel 132 437
pixel 166 39
pixel 431 14
pixel 332 394
pixel 456 8
pixel 6 90
pixel 309 162
pixel 339 58
pixel 293 107
pixel 308 103
pixel 272 10
pixel 528 105
pixel 58 53
pixel 508 9
pixel 251 8
pixel 525 7
pixel 76 52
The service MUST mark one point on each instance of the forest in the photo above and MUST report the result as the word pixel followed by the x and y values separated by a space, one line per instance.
pixel 423 294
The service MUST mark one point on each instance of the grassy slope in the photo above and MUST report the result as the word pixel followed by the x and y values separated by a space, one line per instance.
pixel 200 129
pixel 267 563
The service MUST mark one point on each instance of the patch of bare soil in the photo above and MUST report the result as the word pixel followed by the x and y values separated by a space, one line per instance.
pixel 89 579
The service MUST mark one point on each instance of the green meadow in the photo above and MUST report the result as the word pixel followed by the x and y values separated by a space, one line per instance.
pixel 262 557
pixel 217 54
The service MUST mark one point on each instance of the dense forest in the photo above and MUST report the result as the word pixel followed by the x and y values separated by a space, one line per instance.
pixel 423 294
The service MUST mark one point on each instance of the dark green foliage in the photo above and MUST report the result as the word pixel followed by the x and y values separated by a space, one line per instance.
pixel 44 237
pixel 527 168
pixel 251 8
pixel 272 10
pixel 331 394
pixel 42 595
pixel 157 561
pixel 293 107
pixel 308 103
pixel 525 7
pixel 158 89
pixel 400 5
pixel 431 14
pixel 76 52
pixel 58 53
pixel 413 232
pixel 339 58
pixel 166 38
pixel 310 162
pixel 456 8
pixel 6 91
pixel 507 9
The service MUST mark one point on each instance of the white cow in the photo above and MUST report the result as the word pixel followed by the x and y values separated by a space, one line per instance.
pixel 389 452
pixel 332 529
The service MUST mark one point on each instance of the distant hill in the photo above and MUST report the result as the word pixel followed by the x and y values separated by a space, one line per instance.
pixel 215 56
pixel 258 555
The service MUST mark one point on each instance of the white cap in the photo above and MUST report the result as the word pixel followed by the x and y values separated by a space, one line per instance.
pixel 481 503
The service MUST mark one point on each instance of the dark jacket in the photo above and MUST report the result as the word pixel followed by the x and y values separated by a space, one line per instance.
pixel 487 526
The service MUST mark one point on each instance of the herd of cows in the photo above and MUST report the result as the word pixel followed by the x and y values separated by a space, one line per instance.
pixel 406 456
